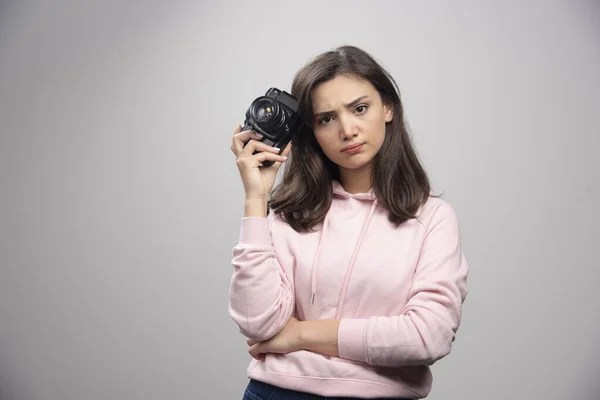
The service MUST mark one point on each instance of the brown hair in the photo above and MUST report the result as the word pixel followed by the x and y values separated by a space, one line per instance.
pixel 304 195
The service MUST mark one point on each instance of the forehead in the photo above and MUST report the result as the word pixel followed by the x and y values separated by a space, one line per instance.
pixel 340 90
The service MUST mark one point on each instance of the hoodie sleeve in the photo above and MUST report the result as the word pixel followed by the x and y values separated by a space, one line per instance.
pixel 261 296
pixel 425 329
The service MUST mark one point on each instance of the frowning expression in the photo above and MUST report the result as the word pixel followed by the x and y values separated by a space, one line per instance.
pixel 349 119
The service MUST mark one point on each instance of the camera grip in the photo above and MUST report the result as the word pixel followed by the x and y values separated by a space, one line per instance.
pixel 266 163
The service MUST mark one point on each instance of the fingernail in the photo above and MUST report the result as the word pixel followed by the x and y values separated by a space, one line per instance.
pixel 284 158
pixel 276 149
pixel 259 135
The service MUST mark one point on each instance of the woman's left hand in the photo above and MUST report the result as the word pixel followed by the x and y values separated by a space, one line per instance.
pixel 286 341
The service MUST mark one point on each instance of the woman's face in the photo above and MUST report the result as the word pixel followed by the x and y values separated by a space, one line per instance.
pixel 349 121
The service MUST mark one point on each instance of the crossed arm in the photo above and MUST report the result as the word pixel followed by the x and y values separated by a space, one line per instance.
pixel 421 333
pixel 318 336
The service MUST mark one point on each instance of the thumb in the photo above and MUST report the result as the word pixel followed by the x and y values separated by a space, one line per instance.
pixel 256 349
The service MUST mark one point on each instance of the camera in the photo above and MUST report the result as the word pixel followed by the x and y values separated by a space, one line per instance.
pixel 275 116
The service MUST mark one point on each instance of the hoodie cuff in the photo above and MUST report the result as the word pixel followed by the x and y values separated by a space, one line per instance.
pixel 351 343
pixel 255 230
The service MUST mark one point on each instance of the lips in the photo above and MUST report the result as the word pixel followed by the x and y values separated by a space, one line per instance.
pixel 352 147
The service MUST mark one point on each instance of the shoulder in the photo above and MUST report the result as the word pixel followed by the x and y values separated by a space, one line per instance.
pixel 436 211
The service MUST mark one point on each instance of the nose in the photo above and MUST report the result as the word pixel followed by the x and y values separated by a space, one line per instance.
pixel 348 128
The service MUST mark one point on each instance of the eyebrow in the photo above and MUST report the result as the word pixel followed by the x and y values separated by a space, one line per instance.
pixel 352 103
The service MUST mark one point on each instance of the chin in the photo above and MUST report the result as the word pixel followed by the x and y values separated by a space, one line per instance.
pixel 356 162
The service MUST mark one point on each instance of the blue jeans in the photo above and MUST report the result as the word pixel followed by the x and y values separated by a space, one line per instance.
pixel 263 391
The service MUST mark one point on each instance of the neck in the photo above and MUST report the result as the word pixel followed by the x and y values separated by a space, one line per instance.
pixel 356 180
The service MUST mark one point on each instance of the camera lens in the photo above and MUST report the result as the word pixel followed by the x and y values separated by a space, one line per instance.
pixel 264 110
pixel 267 114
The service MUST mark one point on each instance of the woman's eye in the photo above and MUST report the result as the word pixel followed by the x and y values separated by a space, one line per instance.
pixel 326 120
pixel 361 109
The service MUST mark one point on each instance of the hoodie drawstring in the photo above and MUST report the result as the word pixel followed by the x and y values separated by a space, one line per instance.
pixel 363 233
pixel 313 281
pixel 352 260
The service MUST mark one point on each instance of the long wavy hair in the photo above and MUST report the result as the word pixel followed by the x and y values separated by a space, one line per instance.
pixel 400 183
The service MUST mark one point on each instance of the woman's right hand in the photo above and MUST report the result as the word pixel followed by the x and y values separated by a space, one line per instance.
pixel 258 180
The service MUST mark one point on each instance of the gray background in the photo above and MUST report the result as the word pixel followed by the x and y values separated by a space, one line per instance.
pixel 120 198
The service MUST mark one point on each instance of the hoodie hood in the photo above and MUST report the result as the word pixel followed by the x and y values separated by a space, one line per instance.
pixel 340 192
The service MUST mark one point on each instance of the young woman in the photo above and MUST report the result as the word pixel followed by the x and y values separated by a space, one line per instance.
pixel 349 277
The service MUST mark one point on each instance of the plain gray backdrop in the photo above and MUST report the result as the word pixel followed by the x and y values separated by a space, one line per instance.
pixel 121 201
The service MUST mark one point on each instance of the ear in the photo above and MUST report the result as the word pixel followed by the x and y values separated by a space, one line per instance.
pixel 389 112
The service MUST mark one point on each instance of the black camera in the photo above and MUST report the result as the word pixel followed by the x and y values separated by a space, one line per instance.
pixel 275 116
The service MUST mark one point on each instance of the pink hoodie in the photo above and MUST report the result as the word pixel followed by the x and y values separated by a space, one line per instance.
pixel 398 293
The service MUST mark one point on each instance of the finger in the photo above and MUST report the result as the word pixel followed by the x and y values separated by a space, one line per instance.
pixel 251 342
pixel 239 138
pixel 255 350
pixel 259 357
pixel 252 350
pixel 254 146
pixel 262 157
pixel 245 135
pixel 285 153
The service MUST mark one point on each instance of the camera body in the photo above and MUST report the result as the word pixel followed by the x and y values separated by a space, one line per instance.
pixel 275 116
